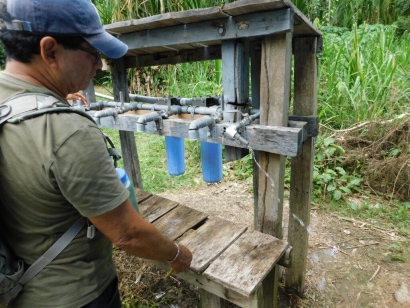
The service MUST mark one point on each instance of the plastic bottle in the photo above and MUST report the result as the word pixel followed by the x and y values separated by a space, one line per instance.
pixel 122 175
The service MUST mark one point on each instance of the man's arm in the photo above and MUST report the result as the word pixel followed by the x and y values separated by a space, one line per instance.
pixel 135 235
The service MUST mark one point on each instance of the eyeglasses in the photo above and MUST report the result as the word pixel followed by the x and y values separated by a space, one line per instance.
pixel 95 53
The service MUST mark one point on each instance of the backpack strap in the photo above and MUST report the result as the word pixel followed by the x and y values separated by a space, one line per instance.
pixel 30 105
pixel 46 258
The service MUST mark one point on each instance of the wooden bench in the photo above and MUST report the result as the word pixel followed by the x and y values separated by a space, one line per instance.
pixel 230 261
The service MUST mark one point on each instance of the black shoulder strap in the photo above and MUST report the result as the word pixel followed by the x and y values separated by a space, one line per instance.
pixel 30 105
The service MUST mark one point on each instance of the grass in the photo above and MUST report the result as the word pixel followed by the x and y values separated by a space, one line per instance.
pixel 364 75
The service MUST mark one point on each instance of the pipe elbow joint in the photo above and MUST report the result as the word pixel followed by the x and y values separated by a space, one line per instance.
pixel 143 120
pixel 231 131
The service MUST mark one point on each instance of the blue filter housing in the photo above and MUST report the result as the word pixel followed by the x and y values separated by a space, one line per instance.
pixel 122 175
pixel 175 152
pixel 211 156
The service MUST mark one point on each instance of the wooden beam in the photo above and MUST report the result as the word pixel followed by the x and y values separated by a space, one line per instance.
pixel 305 101
pixel 209 33
pixel 127 139
pixel 273 139
pixel 173 57
pixel 235 79
pixel 274 105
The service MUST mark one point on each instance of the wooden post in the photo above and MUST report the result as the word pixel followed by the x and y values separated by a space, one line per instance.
pixel 274 104
pixel 90 93
pixel 209 300
pixel 302 166
pixel 127 138
pixel 235 81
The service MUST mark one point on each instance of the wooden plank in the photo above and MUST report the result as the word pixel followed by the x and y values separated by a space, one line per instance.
pixel 273 139
pixel 244 265
pixel 155 207
pixel 166 19
pixel 178 221
pixel 141 195
pixel 203 32
pixel 174 57
pixel 241 7
pixel 302 25
pixel 305 103
pixel 210 240
pixel 195 15
pixel 211 287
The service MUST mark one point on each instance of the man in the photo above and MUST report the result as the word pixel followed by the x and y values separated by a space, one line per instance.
pixel 55 167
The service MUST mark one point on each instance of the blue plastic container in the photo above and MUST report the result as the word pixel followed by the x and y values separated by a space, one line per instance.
pixel 122 175
pixel 211 156
pixel 175 152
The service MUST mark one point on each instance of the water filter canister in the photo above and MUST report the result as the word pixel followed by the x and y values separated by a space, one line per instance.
pixel 211 156
pixel 175 153
pixel 122 175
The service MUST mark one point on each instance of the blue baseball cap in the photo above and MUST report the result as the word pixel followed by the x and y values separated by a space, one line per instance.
pixel 64 18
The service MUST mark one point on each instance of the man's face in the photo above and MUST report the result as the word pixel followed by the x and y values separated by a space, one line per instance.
pixel 78 68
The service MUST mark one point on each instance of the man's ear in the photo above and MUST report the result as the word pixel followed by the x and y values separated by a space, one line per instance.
pixel 49 49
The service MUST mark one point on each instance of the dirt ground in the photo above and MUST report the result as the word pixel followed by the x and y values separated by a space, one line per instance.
pixel 350 263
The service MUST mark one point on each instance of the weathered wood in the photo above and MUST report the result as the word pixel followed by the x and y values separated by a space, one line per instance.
pixel 176 222
pixel 127 139
pixel 235 81
pixel 208 33
pixel 166 20
pixel 302 25
pixel 174 57
pixel 211 300
pixel 221 243
pixel 273 139
pixel 210 240
pixel 211 287
pixel 275 96
pixel 141 195
pixel 244 265
pixel 154 207
pixel 241 7
pixel 312 128
pixel 305 102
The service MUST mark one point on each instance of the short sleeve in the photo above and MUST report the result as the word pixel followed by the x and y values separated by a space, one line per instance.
pixel 85 173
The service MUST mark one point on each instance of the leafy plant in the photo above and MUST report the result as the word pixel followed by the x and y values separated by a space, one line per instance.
pixel 330 179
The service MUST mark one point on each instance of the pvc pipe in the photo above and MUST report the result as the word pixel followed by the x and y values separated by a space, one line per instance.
pixel 142 120
pixel 195 125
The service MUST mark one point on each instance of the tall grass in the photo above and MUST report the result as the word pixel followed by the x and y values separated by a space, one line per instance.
pixel 363 74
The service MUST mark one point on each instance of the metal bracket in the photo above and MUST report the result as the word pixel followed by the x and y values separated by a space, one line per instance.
pixel 312 123
pixel 285 260
pixel 158 123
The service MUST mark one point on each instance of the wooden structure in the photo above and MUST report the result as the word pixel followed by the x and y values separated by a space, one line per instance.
pixel 235 264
